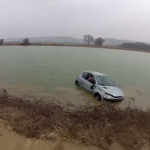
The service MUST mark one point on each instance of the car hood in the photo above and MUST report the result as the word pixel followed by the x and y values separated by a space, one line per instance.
pixel 115 91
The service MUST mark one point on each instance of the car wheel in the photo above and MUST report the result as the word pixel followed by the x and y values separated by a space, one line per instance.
pixel 76 83
pixel 98 97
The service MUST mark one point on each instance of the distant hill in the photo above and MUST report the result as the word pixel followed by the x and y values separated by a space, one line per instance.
pixel 57 39
pixel 54 39
pixel 13 40
pixel 67 40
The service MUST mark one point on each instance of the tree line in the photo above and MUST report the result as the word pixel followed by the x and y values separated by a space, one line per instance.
pixel 89 39
pixel 25 41
pixel 138 45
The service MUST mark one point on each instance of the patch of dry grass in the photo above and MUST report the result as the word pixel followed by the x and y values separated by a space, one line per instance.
pixel 92 125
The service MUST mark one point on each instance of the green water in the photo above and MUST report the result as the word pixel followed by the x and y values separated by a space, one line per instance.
pixel 47 68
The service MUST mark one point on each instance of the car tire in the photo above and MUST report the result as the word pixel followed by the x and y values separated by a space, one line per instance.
pixel 98 97
pixel 76 83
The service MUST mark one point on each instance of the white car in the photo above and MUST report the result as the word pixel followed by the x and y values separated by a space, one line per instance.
pixel 101 86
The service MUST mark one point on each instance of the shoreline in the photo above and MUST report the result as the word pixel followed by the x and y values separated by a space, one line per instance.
pixel 71 45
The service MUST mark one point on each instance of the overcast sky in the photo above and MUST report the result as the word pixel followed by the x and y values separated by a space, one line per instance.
pixel 122 19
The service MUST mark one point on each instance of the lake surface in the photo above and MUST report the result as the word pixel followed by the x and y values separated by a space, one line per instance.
pixel 47 70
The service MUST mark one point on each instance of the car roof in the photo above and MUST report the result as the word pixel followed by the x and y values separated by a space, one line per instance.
pixel 95 73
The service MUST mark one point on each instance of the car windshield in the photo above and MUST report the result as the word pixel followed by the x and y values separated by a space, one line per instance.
pixel 104 80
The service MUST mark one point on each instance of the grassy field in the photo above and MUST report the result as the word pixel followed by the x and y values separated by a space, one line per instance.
pixel 98 126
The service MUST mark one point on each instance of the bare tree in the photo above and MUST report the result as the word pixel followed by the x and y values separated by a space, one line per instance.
pixel 92 39
pixel 88 39
pixel 85 39
pixel 1 41
pixel 99 41
pixel 26 41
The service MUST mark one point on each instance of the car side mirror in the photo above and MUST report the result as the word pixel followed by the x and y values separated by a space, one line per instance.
pixel 93 82
pixel 92 87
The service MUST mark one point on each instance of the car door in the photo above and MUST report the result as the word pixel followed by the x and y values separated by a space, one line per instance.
pixel 88 84
pixel 83 81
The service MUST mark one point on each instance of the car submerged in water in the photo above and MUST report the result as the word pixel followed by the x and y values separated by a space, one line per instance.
pixel 100 85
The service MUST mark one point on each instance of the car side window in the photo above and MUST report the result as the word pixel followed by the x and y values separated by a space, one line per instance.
pixel 91 79
pixel 85 75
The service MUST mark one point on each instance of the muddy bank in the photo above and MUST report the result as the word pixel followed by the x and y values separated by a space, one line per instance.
pixel 99 126
pixel 12 141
